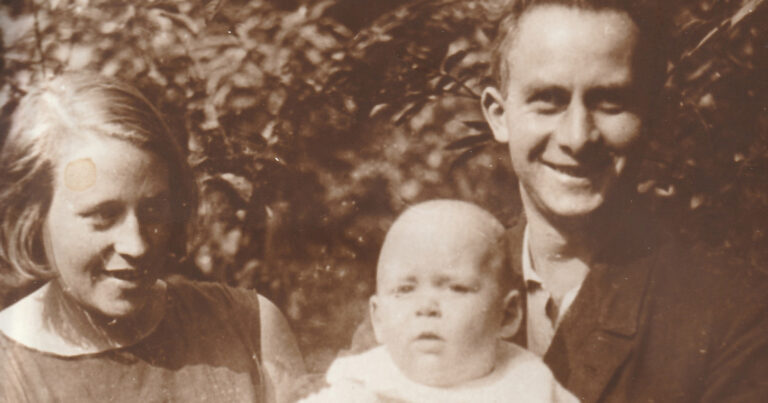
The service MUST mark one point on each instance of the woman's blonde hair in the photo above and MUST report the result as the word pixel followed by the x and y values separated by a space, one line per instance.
pixel 76 104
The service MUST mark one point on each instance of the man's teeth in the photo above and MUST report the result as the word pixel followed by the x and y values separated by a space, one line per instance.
pixel 572 171
pixel 126 274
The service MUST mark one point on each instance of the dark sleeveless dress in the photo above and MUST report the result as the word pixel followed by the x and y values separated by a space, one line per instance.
pixel 206 349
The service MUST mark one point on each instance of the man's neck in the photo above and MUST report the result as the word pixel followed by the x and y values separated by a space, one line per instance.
pixel 562 253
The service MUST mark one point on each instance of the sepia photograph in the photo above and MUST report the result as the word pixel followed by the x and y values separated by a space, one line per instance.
pixel 384 201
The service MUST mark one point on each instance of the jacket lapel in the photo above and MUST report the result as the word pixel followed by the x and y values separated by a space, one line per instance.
pixel 598 332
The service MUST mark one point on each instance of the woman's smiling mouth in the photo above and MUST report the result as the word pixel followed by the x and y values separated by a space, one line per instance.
pixel 130 275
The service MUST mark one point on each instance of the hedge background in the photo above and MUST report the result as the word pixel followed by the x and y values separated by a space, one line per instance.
pixel 311 124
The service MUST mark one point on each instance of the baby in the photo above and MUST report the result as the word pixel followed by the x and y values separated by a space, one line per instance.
pixel 445 298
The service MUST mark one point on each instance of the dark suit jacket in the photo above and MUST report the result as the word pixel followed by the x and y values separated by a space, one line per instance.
pixel 653 324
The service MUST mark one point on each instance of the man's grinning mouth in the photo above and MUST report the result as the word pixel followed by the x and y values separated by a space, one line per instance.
pixel 577 171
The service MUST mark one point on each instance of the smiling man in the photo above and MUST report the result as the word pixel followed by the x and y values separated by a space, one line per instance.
pixel 618 310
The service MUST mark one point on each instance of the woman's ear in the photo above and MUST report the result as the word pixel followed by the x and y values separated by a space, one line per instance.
pixel 492 103
pixel 375 321
pixel 513 314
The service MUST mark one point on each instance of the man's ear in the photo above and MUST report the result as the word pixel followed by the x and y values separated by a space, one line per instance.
pixel 493 110
pixel 513 314
pixel 375 320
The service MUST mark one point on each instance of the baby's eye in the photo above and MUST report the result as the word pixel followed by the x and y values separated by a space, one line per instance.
pixel 404 289
pixel 461 288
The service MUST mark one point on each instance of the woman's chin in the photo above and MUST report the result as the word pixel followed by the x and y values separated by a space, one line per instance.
pixel 128 302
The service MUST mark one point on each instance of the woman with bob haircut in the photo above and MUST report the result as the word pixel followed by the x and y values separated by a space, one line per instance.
pixel 95 197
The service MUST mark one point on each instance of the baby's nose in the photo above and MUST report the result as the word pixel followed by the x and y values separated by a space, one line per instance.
pixel 429 307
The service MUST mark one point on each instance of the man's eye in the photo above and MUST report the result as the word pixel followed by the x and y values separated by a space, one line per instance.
pixel 609 101
pixel 611 107
pixel 549 101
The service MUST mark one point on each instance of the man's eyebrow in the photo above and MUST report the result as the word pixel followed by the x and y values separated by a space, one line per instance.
pixel 538 86
pixel 617 93
pixel 551 93
pixel 615 86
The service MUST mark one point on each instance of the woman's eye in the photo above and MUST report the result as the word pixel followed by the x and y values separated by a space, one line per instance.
pixel 103 218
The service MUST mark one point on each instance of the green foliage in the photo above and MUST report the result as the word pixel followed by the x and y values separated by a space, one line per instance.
pixel 308 138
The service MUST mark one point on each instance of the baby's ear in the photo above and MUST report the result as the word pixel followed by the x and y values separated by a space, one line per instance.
pixel 375 321
pixel 513 314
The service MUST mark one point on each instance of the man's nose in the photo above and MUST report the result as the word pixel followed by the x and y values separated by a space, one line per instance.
pixel 577 128
pixel 129 237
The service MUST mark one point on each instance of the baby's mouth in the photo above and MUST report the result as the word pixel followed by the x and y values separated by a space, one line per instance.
pixel 429 336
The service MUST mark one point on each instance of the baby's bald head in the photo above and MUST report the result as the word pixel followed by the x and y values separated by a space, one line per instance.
pixel 445 295
pixel 444 232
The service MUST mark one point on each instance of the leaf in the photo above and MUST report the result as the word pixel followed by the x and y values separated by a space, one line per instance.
pixel 746 9
pixel 211 8
pixel 453 60
pixel 378 108
pixel 466 156
pixel 410 110
pixel 469 141
pixel 182 21
pixel 474 70
pixel 479 125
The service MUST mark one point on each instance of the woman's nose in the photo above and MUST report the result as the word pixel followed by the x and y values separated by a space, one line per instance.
pixel 129 239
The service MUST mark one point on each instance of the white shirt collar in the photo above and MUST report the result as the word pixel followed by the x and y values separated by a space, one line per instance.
pixel 528 273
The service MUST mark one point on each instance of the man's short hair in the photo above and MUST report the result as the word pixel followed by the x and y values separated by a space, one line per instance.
pixel 651 55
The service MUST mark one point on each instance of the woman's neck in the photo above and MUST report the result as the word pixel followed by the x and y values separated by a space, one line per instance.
pixel 49 320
